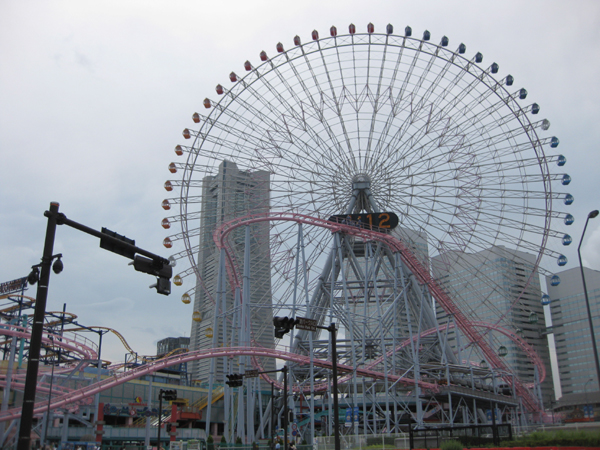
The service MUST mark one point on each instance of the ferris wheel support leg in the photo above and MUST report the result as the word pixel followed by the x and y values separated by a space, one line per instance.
pixel 413 347
pixel 382 346
pixel 326 273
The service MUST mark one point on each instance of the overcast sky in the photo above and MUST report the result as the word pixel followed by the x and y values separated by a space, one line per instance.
pixel 94 96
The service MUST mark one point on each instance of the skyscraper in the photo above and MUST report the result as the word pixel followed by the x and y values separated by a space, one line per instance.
pixel 485 286
pixel 229 194
pixel 572 337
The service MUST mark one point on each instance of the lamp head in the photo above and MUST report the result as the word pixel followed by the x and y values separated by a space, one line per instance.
pixel 593 214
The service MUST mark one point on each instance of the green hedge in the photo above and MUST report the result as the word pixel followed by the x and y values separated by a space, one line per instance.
pixel 556 438
pixel 451 445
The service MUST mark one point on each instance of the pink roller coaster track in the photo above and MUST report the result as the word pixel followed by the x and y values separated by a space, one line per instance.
pixel 120 378
pixel 67 398
pixel 423 276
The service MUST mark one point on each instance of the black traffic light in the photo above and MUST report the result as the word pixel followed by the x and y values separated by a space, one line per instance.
pixel 235 380
pixel 163 272
pixel 169 394
pixel 114 246
pixel 283 325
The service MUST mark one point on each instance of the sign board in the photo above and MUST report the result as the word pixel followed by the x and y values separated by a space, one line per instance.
pixel 370 221
pixel 348 421
pixel 13 286
pixel 306 324
pixel 253 373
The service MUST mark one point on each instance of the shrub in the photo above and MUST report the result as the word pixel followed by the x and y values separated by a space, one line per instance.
pixel 451 445
pixel 565 438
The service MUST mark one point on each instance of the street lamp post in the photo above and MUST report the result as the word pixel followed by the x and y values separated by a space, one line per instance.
pixel 591 215
pixel 336 414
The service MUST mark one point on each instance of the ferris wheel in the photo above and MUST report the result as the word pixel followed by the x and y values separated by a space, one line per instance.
pixel 453 149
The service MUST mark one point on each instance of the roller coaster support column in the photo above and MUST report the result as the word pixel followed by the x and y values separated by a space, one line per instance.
pixel 235 380
pixel 37 328
pixel 99 423
pixel 173 430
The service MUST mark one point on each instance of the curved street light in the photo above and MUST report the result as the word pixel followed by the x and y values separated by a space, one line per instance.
pixel 591 215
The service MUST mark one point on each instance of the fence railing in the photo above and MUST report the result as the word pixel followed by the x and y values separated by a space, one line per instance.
pixel 359 442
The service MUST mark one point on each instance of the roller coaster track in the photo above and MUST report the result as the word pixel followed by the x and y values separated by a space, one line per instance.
pixel 112 330
pixel 421 273
pixel 66 398
pixel 117 379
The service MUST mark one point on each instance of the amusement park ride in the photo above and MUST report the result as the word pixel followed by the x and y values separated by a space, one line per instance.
pixel 326 184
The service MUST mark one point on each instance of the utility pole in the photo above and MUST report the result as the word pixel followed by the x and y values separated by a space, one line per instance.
pixel 148 263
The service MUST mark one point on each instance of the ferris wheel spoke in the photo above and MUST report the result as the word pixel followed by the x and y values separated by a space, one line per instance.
pixel 304 112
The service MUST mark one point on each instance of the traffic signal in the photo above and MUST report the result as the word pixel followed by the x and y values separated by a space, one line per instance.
pixel 163 272
pixel 235 380
pixel 283 325
pixel 169 394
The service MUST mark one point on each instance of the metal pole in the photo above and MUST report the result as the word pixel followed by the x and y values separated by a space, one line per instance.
pixel 336 415
pixel 37 329
pixel 591 215
pixel 159 417
pixel 49 400
pixel 285 408
pixel 272 415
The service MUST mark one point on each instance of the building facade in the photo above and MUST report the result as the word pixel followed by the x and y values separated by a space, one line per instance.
pixel 229 194
pixel 498 286
pixel 572 337
pixel 167 345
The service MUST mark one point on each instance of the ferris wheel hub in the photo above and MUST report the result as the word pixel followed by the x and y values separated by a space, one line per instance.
pixel 361 181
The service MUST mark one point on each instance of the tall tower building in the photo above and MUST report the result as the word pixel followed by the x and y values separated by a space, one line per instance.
pixel 229 194
pixel 572 338
pixel 485 286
